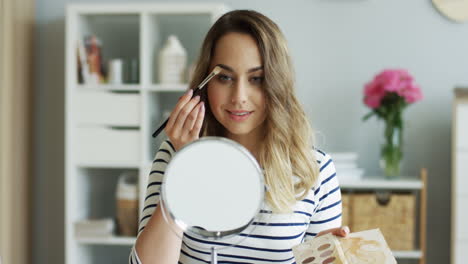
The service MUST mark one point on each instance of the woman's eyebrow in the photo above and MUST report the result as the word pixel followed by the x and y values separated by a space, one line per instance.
pixel 255 69
pixel 227 68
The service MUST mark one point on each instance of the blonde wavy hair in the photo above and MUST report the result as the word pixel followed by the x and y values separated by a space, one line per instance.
pixel 287 146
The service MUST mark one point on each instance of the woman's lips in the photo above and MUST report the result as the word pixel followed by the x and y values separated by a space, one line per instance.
pixel 239 118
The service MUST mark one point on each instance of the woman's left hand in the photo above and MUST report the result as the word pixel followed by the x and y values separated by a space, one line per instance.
pixel 339 231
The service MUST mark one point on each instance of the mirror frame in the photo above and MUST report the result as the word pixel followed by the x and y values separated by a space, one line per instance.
pixel 198 231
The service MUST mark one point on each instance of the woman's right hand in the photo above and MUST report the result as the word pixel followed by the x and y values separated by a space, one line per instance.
pixel 185 121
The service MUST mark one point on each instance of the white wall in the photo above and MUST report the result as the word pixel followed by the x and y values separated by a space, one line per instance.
pixel 337 46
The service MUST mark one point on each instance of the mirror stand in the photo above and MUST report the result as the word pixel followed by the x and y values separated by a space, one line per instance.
pixel 214 256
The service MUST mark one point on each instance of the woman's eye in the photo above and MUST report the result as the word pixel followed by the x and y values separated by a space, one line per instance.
pixel 257 79
pixel 224 78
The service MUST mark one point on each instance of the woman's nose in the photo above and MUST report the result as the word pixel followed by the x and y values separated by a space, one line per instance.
pixel 240 92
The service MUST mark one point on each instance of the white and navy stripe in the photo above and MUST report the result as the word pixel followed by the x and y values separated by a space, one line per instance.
pixel 271 237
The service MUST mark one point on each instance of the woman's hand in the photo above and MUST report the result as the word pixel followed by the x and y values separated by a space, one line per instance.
pixel 185 121
pixel 339 231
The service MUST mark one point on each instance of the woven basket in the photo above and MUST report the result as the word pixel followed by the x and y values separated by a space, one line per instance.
pixel 127 217
pixel 345 200
pixel 395 218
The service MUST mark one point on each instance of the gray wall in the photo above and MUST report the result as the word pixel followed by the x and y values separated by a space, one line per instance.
pixel 337 46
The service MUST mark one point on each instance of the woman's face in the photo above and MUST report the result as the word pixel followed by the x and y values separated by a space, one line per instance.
pixel 235 95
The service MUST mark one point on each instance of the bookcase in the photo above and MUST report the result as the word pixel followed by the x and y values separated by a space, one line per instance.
pixel 108 127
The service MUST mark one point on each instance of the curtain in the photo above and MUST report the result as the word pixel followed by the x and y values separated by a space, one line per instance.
pixel 16 64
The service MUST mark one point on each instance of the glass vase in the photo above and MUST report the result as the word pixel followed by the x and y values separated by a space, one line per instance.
pixel 391 151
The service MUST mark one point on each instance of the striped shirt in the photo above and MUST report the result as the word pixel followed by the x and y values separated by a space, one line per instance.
pixel 266 243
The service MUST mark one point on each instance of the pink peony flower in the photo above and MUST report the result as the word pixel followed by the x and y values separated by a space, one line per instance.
pixel 397 81
pixel 412 93
pixel 389 80
pixel 373 94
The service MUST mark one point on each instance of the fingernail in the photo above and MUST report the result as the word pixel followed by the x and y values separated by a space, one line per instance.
pixel 203 106
pixel 346 230
pixel 197 97
pixel 190 92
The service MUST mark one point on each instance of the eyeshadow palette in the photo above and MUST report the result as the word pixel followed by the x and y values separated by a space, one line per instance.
pixel 320 250
pixel 357 248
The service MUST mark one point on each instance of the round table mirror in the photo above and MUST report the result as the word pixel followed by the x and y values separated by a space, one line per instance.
pixel 213 189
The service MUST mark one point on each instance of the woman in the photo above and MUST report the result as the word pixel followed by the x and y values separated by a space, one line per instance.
pixel 251 101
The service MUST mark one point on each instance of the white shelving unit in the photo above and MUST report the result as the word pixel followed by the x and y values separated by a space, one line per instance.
pixel 406 184
pixel 109 127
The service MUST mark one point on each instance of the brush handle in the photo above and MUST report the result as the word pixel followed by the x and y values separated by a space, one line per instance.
pixel 163 125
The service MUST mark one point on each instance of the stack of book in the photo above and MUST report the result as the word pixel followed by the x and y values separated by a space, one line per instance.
pixel 95 228
pixel 346 166
pixel 90 62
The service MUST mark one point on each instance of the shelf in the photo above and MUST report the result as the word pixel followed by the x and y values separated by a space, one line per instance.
pixel 124 45
pixel 168 87
pixel 368 183
pixel 120 240
pixel 110 87
pixel 106 240
pixel 109 165
pixel 411 254
pixel 116 240
pixel 159 8
pixel 190 29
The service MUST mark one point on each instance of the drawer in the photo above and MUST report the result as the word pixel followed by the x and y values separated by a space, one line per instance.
pixel 461 217
pixel 462 127
pixel 106 145
pixel 106 108
pixel 461 175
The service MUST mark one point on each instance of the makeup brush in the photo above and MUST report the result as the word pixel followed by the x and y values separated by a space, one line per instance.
pixel 196 92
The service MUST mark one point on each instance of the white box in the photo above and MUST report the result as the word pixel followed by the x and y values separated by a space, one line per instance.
pixel 106 108
pixel 96 145
pixel 343 156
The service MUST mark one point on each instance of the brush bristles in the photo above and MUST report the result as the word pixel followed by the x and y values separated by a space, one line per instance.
pixel 215 71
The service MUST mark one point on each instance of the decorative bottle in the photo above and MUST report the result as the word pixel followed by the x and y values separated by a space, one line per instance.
pixel 172 61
